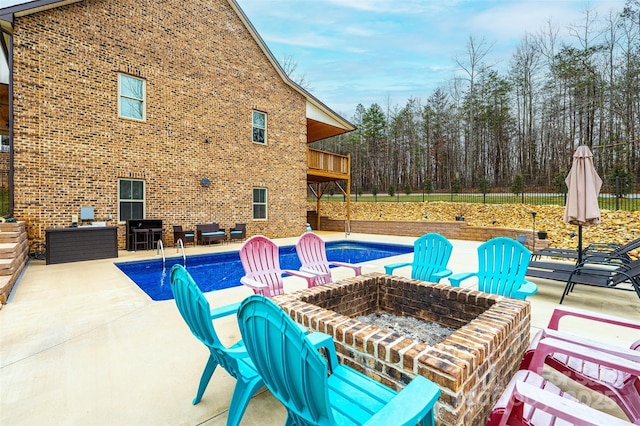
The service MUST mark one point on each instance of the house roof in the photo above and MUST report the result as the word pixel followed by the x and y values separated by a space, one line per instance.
pixel 322 121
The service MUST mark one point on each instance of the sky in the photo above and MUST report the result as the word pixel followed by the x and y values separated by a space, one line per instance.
pixel 387 51
pixel 354 52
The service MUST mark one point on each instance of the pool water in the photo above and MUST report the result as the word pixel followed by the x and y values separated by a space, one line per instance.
pixel 223 270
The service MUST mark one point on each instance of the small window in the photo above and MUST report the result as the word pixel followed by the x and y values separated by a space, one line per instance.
pixel 131 199
pixel 259 203
pixel 131 97
pixel 259 127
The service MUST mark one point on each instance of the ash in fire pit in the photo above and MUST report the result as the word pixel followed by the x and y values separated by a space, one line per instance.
pixel 430 333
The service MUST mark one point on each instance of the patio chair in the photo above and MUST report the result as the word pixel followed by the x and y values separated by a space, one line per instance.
pixel 431 253
pixel 502 266
pixel 261 263
pixel 597 250
pixel 314 388
pixel 194 308
pixel 238 232
pixel 185 236
pixel 313 257
pixel 210 232
pixel 590 272
pixel 621 386
pixel 530 400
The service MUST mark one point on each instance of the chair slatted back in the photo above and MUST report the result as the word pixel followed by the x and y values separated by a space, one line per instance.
pixel 313 256
pixel 259 258
pixel 502 265
pixel 431 253
pixel 291 367
pixel 195 311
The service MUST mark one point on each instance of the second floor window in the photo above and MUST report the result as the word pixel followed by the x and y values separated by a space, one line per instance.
pixel 259 127
pixel 131 97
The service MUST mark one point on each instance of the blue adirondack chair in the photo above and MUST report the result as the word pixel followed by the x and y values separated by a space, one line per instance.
pixel 194 308
pixel 315 389
pixel 502 265
pixel 431 253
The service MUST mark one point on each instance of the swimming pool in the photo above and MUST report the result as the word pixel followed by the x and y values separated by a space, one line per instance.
pixel 223 270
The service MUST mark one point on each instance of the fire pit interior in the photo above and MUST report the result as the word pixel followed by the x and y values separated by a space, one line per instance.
pixel 472 365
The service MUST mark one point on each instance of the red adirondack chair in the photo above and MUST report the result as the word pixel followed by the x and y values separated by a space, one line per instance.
pixel 530 400
pixel 610 370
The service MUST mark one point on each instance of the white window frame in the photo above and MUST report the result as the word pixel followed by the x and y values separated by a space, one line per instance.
pixel 143 99
pixel 132 200
pixel 254 126
pixel 255 203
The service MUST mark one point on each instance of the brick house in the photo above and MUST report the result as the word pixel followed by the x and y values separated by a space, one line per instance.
pixel 172 110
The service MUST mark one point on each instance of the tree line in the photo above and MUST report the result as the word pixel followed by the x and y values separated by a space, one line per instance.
pixel 483 128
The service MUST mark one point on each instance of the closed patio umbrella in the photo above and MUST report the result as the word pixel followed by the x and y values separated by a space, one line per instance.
pixel 583 185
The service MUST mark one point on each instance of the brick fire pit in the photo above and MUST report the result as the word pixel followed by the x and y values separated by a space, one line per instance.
pixel 472 366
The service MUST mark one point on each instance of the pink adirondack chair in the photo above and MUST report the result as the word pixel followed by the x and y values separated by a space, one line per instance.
pixel 261 263
pixel 313 256
pixel 530 400
pixel 610 370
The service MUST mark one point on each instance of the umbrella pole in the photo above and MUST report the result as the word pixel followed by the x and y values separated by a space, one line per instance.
pixel 579 244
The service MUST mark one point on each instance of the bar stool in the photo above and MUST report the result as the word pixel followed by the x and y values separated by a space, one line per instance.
pixel 140 238
pixel 155 234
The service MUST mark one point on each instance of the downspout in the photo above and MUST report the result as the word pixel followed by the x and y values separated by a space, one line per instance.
pixel 11 185
pixel 9 50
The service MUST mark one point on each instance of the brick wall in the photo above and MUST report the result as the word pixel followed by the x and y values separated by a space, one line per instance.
pixel 472 366
pixel 451 230
pixel 204 74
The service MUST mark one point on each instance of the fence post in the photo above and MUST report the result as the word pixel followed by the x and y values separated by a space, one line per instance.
pixel 617 192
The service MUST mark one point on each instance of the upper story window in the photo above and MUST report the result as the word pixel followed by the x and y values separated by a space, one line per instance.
pixel 259 127
pixel 132 93
pixel 259 203
pixel 131 199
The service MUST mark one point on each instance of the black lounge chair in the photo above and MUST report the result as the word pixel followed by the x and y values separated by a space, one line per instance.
pixel 594 274
pixel 593 271
pixel 597 250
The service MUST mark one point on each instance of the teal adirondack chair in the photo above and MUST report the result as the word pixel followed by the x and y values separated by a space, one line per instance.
pixel 431 253
pixel 502 265
pixel 194 308
pixel 315 389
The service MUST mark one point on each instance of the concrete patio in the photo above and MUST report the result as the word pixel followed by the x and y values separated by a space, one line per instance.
pixel 82 344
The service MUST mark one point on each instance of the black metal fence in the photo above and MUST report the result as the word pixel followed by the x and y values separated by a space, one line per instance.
pixel 611 197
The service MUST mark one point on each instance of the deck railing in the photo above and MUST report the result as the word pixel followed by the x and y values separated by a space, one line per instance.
pixel 327 162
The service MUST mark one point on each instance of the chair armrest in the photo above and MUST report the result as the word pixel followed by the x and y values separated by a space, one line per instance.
pixel 456 279
pixel 630 354
pixel 357 269
pixel 561 311
pixel 412 404
pixel 441 274
pixel 311 278
pixel 224 311
pixel 527 288
pixel 388 269
pixel 549 345
pixel 256 285
pixel 566 409
pixel 324 341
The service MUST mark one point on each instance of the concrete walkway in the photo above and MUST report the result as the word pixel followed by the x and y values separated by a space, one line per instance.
pixel 81 344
